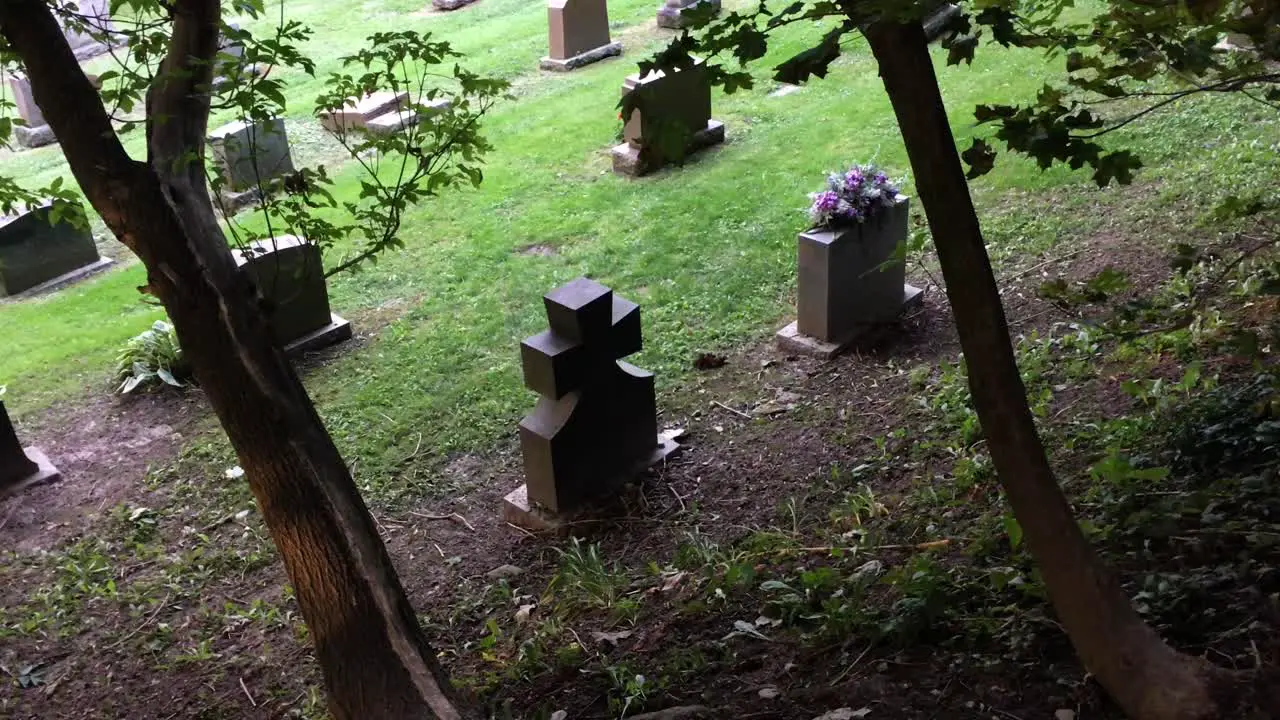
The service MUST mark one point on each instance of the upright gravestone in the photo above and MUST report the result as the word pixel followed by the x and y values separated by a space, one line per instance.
pixel 35 132
pixel 671 13
pixel 672 110
pixel 95 18
pixel 40 253
pixel 20 467
pixel 937 22
pixel 596 422
pixel 578 34
pixel 248 157
pixel 290 276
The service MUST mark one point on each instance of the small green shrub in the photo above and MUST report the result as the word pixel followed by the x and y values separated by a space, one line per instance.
pixel 150 358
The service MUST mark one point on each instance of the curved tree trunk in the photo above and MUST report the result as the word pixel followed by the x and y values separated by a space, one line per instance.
pixel 376 661
pixel 1145 676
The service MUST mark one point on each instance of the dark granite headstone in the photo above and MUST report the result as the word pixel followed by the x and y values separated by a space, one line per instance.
pixel 35 250
pixel 289 274
pixel 597 418
pixel 21 467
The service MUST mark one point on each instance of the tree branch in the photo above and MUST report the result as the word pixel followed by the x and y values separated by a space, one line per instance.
pixel 178 101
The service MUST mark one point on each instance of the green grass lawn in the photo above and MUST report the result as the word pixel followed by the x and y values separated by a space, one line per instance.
pixel 707 249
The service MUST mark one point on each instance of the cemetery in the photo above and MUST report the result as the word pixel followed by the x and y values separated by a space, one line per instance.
pixel 665 416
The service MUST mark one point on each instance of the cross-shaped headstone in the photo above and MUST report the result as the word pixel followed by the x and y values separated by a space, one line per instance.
pixel 596 422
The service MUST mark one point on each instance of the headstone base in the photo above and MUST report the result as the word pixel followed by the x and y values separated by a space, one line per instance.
pixel 586 58
pixel 673 18
pixel 34 137
pixel 519 511
pixel 94 49
pixel 46 473
pixel 791 340
pixel 338 330
pixel 231 202
pixel 64 279
pixel 450 4
pixel 629 160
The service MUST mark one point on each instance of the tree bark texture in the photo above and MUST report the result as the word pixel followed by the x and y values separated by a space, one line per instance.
pixel 375 659
pixel 1146 677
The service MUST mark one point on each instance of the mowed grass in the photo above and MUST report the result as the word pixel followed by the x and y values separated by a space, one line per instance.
pixel 707 249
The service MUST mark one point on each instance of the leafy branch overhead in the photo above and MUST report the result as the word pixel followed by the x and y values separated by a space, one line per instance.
pixel 1112 61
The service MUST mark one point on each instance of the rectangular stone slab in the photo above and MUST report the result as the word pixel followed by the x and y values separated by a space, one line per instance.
pixel 357 113
pixel 34 250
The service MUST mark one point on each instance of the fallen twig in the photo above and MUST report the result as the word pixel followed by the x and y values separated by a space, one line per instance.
pixel 247 694
pixel 1050 261
pixel 148 621
pixel 849 669
pixel 719 404
pixel 451 516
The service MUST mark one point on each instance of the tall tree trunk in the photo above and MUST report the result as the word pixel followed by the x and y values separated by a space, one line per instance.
pixel 376 661
pixel 1145 676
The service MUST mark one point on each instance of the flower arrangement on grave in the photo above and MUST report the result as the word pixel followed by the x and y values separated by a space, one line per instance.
pixel 852 196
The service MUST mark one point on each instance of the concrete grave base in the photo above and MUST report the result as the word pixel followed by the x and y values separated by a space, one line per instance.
pixel 65 279
pixel 517 510
pixel 629 160
pixel 586 58
pixel 338 330
pixel 231 202
pixel 673 18
pixel 46 473
pixel 791 340
pixel 34 137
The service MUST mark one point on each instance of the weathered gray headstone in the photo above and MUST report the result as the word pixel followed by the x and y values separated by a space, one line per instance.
pixel 671 12
pixel 596 422
pixel 672 107
pixel 289 274
pixel 249 155
pixel 36 131
pixel 37 253
pixel 20 467
pixel 848 283
pixel 578 34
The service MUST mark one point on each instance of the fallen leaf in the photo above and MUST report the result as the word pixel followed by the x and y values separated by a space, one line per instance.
pixel 673 580
pixel 844 714
pixel 769 408
pixel 769 693
pixel 522 615
pixel 611 637
pixel 710 361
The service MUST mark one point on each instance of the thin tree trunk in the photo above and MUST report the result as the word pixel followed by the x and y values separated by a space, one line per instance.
pixel 376 661
pixel 1148 679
